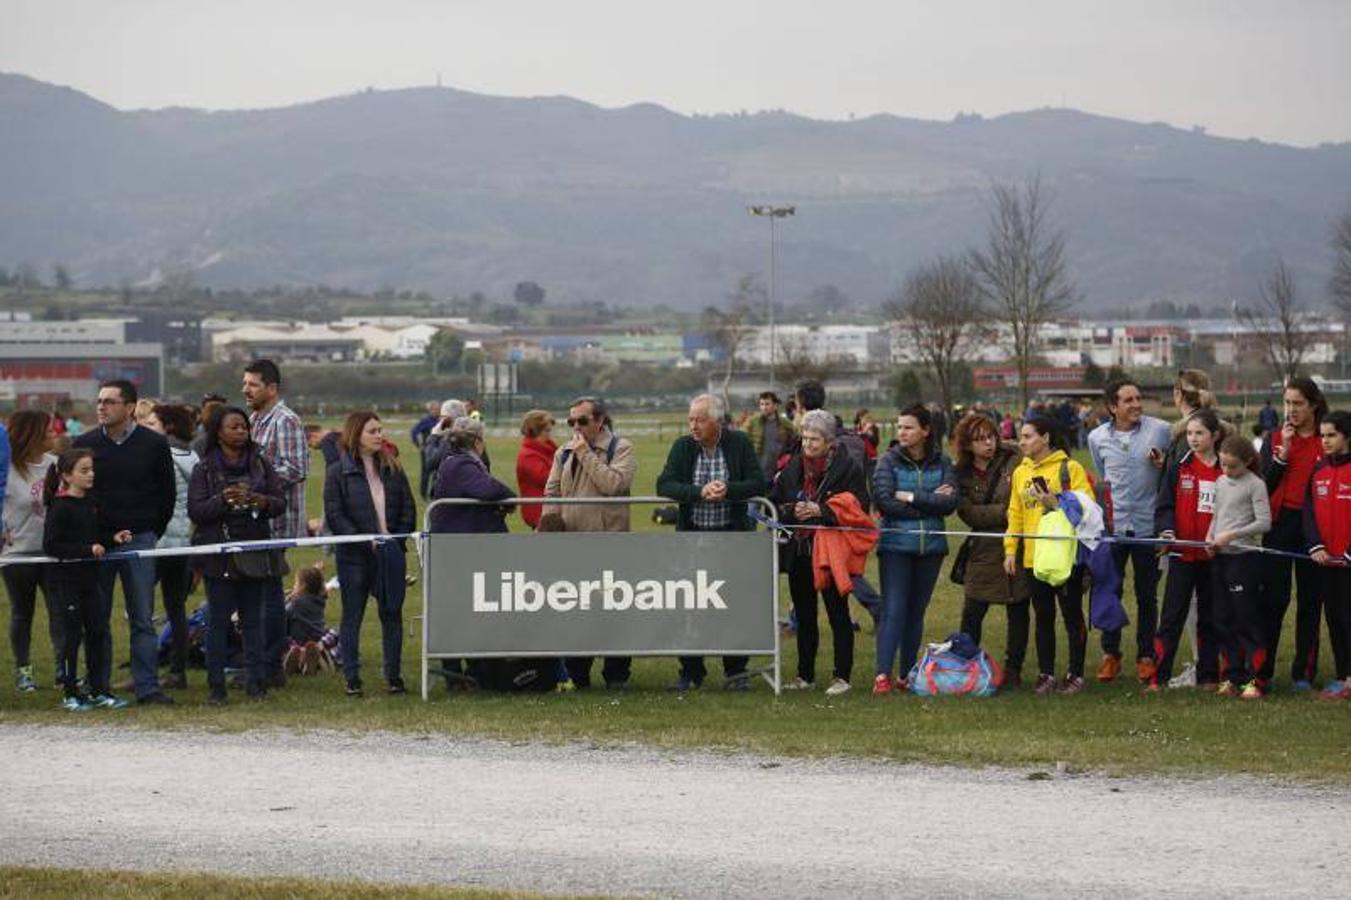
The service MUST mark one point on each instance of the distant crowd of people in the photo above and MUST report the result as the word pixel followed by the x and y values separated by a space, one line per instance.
pixel 162 475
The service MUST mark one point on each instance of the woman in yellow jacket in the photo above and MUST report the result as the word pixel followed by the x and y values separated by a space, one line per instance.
pixel 1045 472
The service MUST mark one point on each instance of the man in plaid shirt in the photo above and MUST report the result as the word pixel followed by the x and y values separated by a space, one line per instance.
pixel 280 436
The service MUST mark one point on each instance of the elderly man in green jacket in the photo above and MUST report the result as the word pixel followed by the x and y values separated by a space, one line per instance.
pixel 711 472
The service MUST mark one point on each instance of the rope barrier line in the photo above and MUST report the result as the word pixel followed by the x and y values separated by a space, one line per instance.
pixel 213 549
pixel 1106 538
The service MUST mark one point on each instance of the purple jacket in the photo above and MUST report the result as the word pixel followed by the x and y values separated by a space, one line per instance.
pixel 464 475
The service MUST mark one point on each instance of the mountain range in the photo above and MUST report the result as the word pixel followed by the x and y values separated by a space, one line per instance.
pixel 447 191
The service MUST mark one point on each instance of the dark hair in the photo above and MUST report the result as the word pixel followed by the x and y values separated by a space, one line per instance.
pixel 27 434
pixel 598 408
pixel 810 395
pixel 177 420
pixel 1211 420
pixel 769 395
pixel 309 580
pixel 124 387
pixel 1339 419
pixel 213 397
pixel 1113 388
pixel 1309 388
pixel 1047 426
pixel 214 424
pixel 65 464
pixel 1238 446
pixel 920 413
pixel 265 369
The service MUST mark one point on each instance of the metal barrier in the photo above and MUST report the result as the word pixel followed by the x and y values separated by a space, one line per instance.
pixel 561 611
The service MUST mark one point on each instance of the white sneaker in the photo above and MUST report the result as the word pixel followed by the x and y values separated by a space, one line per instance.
pixel 837 687
pixel 798 684
pixel 1184 679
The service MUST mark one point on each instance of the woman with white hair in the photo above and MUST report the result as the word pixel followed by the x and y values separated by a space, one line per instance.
pixel 820 470
pixel 463 474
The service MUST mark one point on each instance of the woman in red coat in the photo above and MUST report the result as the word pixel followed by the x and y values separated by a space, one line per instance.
pixel 534 460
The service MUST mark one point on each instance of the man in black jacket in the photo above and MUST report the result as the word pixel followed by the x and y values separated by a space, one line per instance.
pixel 711 472
pixel 134 491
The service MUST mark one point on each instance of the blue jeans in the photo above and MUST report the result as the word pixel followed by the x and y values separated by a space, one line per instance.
pixel 362 572
pixel 224 597
pixel 138 589
pixel 907 584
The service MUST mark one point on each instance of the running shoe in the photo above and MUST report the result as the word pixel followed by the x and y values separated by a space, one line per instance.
pixel 837 687
pixel 107 701
pixel 1301 686
pixel 1226 688
pixel 1184 679
pixel 1045 685
pixel 902 685
pixel 566 686
pixel 1144 669
pixel 23 680
pixel 1251 691
pixel 1110 668
pixel 798 684
pixel 882 684
pixel 354 688
pixel 1337 690
pixel 76 703
pixel 1072 684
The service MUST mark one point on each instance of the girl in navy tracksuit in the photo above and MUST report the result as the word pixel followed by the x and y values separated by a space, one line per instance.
pixel 1185 506
pixel 1327 530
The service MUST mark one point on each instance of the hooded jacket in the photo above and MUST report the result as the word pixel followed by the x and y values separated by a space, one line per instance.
pixel 1024 510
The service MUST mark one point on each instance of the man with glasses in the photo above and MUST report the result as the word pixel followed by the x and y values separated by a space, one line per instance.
pixel 134 490
pixel 595 463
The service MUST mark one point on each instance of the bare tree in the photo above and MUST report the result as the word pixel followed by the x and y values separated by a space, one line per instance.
pixel 938 311
pixel 1022 270
pixel 728 330
pixel 1276 320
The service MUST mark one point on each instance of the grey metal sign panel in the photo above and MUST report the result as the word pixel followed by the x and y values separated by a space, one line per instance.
pixel 597 594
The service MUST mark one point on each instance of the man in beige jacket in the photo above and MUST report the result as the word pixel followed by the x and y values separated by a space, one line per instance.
pixel 595 463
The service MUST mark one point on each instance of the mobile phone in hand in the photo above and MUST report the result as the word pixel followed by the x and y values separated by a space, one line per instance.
pixel 1040 484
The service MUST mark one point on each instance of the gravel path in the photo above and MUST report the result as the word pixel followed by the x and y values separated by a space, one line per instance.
pixel 397 808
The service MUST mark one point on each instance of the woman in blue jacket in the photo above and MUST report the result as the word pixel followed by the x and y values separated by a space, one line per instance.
pixel 914 487
pixel 367 492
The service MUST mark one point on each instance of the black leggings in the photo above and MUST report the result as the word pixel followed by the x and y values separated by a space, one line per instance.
pixel 22 581
pixel 82 621
pixel 802 588
pixel 174 580
pixel 1287 534
pixel 1015 644
pixel 1069 596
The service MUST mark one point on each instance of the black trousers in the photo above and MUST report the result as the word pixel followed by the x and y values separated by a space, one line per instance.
pixel 1287 534
pixel 1336 583
pixel 802 589
pixel 1238 602
pixel 82 621
pixel 614 669
pixel 1015 644
pixel 1184 579
pixel 1069 597
pixel 22 582
pixel 174 580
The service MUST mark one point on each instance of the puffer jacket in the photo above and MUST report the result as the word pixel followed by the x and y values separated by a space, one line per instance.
pixel 908 524
pixel 178 533
pixel 984 506
pixel 1024 510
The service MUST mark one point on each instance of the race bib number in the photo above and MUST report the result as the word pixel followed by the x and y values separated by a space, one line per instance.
pixel 1205 497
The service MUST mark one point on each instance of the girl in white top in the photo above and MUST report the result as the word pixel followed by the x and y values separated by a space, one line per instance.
pixel 32 439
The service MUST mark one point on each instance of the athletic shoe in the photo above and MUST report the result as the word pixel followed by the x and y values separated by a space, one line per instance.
pixel 1145 669
pixel 902 685
pixel 1302 686
pixel 883 684
pixel 1045 685
pixel 158 698
pixel 218 697
pixel 837 687
pixel 566 686
pixel 353 688
pixel 107 701
pixel 1337 690
pixel 76 703
pixel 1226 688
pixel 685 683
pixel 1110 668
pixel 1184 679
pixel 23 680
pixel 294 658
pixel 1072 684
pixel 798 684
pixel 1251 691
pixel 739 683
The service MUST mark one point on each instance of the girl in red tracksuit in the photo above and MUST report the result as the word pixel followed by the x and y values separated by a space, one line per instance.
pixel 1327 529
pixel 1183 512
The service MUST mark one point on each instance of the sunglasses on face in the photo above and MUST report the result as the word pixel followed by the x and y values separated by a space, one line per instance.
pixel 579 422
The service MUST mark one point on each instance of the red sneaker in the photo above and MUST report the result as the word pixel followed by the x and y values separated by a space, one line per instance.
pixel 882 685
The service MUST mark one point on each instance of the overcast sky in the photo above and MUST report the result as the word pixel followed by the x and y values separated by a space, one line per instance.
pixel 1279 71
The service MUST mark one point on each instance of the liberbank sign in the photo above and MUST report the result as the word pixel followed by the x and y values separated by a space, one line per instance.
pixel 557 594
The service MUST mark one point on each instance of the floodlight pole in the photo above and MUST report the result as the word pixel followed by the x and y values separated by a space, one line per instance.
pixel 772 213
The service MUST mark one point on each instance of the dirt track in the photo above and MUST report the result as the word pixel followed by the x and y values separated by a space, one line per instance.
pixel 635 821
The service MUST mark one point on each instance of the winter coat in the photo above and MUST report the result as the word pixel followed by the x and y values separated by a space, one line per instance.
pixel 350 509
pixel 896 471
pixel 744 478
pixel 533 463
pixel 1025 510
pixel 594 473
pixel 178 533
pixel 462 474
pixel 984 506
pixel 207 509
pixel 842 475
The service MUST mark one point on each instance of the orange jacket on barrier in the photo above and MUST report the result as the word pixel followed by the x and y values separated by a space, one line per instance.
pixel 840 555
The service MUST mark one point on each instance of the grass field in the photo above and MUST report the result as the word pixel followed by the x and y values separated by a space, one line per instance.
pixel 1111 729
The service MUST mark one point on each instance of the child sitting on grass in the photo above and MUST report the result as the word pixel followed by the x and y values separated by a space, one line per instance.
pixel 313 643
